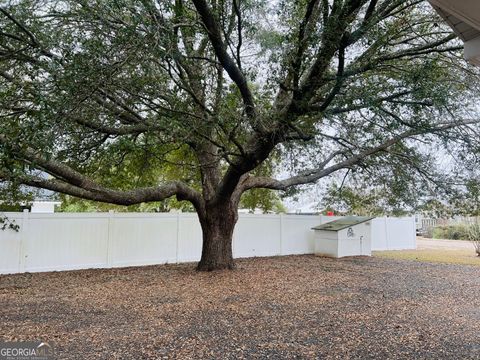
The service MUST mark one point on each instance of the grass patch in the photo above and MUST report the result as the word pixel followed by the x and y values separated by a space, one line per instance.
pixel 460 257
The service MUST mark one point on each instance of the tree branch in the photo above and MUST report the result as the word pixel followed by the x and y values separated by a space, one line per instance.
pixel 227 62
pixel 236 7
pixel 126 198
pixel 321 171
pixel 69 181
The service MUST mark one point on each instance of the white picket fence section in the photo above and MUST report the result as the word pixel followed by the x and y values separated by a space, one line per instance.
pixel 67 241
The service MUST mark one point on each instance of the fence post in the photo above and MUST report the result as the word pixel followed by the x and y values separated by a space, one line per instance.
pixel 23 239
pixel 414 232
pixel 386 233
pixel 110 239
pixel 281 234
pixel 178 239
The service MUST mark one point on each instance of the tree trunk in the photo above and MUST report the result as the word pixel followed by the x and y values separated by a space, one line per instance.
pixel 218 223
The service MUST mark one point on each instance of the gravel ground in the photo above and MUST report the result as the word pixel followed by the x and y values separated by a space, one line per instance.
pixel 278 308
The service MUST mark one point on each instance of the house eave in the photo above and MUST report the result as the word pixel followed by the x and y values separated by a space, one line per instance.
pixel 463 16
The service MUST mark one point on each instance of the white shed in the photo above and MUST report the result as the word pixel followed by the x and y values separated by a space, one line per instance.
pixel 349 236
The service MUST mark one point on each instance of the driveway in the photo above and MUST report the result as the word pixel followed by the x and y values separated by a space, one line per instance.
pixel 429 244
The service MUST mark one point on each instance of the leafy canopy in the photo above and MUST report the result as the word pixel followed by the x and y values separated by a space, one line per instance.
pixel 129 102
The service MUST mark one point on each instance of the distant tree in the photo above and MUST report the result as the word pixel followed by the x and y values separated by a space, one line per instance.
pixel 404 193
pixel 464 201
pixel 213 94
pixel 349 200
pixel 436 209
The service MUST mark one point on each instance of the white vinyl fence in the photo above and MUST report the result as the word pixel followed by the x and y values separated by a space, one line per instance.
pixel 66 241
pixel 394 233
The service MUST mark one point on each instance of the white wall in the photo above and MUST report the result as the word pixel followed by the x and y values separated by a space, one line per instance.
pixel 394 233
pixel 65 241
pixel 359 243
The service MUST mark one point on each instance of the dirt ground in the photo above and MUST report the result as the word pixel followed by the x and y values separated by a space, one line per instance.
pixel 278 308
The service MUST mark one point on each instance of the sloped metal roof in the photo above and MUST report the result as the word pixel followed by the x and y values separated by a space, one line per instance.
pixel 343 223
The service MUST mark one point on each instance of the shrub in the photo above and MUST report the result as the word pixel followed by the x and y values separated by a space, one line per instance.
pixel 452 232
pixel 474 236
pixel 429 233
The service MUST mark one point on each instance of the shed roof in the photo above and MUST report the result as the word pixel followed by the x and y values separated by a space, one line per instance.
pixel 343 223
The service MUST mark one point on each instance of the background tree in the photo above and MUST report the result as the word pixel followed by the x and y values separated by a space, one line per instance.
pixel 469 203
pixel 403 188
pixel 93 93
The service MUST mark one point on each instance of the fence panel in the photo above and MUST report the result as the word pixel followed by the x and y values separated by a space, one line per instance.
pixel 401 233
pixel 189 246
pixel 297 234
pixel 379 234
pixel 63 242
pixel 257 235
pixel 143 240
pixel 10 245
pixel 77 241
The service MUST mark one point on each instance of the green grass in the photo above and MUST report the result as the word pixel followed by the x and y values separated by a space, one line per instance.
pixel 461 257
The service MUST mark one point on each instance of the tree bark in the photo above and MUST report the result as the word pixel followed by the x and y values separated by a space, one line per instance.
pixel 218 222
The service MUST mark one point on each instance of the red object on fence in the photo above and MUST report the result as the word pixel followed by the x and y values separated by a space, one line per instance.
pixel 329 213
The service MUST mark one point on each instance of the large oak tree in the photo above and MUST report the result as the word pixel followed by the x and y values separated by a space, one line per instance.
pixel 95 94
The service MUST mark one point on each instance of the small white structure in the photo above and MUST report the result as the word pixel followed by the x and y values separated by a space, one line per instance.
pixel 349 236
pixel 44 206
